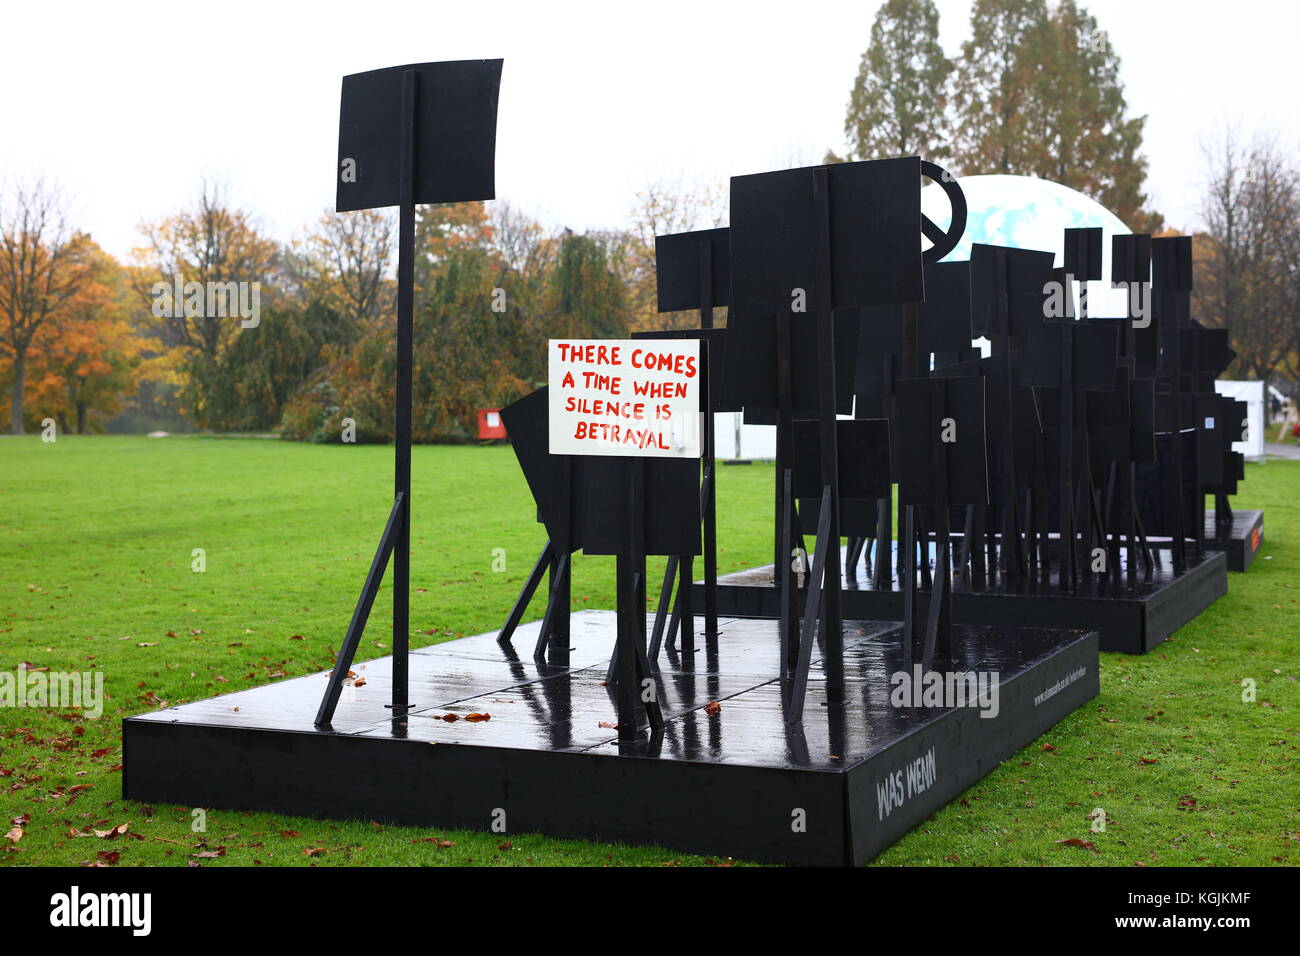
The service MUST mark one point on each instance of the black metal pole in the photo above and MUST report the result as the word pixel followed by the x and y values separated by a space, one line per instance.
pixel 402 468
pixel 832 629
pixel 710 451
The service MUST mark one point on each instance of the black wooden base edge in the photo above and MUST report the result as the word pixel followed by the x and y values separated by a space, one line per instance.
pixel 1126 624
pixel 801 816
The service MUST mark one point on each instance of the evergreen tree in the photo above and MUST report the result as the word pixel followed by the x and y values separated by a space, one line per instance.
pixel 995 85
pixel 897 104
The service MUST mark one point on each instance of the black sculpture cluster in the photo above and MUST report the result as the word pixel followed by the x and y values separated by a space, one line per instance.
pixel 1056 459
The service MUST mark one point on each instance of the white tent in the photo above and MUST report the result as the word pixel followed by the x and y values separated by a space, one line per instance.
pixel 1252 393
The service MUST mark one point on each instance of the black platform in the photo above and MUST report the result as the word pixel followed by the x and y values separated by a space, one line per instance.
pixel 734 783
pixel 1240 542
pixel 1129 618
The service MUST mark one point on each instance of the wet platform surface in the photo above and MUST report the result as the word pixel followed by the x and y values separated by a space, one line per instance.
pixel 543 707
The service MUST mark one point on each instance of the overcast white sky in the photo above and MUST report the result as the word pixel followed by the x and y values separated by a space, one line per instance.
pixel 129 105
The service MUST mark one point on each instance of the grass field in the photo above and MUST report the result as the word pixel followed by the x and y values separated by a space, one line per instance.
pixel 96 543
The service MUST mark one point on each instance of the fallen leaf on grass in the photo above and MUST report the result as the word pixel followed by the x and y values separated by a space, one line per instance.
pixel 209 854
pixel 1081 844
pixel 436 841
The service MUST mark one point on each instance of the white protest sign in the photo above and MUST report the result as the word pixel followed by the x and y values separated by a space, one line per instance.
pixel 628 397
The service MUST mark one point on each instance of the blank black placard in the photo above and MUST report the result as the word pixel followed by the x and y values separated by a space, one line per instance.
pixel 1095 352
pixel 1083 253
pixel 1171 262
pixel 941 441
pixel 456 128
pixel 1006 287
pixel 1130 258
pixel 863 448
pixel 944 317
pixel 671 508
pixel 749 376
pixel 678 259
pixel 875 236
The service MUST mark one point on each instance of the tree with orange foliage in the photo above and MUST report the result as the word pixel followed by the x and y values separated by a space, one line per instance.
pixel 89 352
pixel 42 268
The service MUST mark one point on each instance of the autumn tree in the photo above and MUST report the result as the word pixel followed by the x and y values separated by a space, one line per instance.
pixel 88 353
pixel 345 264
pixel 994 85
pixel 1038 93
pixel 1247 277
pixel 897 104
pixel 42 268
pixel 212 242
pixel 663 207
pixel 1078 123
pixel 213 245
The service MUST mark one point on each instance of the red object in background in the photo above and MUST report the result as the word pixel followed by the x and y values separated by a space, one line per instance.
pixel 1295 431
pixel 490 424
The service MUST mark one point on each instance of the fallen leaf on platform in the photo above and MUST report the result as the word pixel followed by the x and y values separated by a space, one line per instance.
pixel 712 708
pixel 475 718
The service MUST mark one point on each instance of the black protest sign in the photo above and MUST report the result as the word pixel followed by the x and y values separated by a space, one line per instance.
pixel 671 505
pixel 1171 263
pixel 940 441
pixel 1007 288
pixel 1130 258
pixel 680 261
pixel 873 236
pixel 944 318
pixel 750 374
pixel 1083 254
pixel 455 124
pixel 863 449
pixel 1093 349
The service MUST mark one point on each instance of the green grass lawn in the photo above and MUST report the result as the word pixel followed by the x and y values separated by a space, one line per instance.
pixel 96 538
